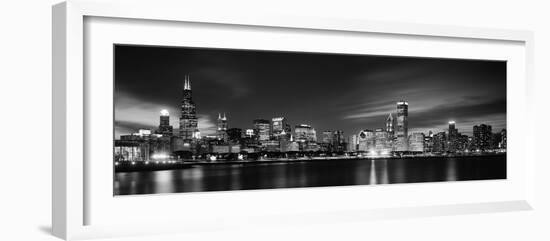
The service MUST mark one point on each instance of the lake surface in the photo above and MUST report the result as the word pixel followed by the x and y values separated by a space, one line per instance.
pixel 311 174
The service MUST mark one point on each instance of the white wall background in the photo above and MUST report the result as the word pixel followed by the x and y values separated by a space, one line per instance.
pixel 25 92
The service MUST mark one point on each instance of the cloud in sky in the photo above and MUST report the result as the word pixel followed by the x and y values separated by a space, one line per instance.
pixel 132 114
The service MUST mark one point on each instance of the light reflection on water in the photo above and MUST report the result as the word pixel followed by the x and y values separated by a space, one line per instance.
pixel 310 174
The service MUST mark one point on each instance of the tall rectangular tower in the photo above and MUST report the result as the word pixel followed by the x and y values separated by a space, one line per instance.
pixel 402 130
pixel 188 120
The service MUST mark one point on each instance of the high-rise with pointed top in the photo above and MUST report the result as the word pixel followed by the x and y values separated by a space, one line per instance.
pixel 188 119
pixel 221 132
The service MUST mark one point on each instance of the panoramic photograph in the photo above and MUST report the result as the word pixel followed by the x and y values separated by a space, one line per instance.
pixel 206 119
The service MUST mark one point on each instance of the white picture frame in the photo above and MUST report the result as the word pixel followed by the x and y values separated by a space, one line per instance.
pixel 74 195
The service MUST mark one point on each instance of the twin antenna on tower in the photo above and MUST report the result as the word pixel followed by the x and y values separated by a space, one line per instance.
pixel 187 83
pixel 187 86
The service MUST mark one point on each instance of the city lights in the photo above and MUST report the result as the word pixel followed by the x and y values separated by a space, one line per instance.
pixel 277 138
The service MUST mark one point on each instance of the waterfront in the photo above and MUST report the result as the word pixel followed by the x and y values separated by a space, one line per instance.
pixel 225 177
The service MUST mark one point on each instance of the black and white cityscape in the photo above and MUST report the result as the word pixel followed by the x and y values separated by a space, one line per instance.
pixel 198 119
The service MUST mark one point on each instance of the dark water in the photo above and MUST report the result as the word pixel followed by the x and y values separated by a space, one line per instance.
pixel 311 174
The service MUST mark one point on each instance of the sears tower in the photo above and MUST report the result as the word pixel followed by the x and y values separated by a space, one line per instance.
pixel 188 120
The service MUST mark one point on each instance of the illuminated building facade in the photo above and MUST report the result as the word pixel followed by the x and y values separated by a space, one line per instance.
pixel 327 137
pixel 439 142
pixel 402 127
pixel 416 142
pixel 339 141
pixel 280 129
pixel 131 151
pixel 262 129
pixel 221 131
pixel 272 146
pixel 382 141
pixel 353 141
pixel 390 125
pixel 453 142
pixel 188 120
pixel 428 143
pixel 366 141
pixel 249 133
pixel 304 133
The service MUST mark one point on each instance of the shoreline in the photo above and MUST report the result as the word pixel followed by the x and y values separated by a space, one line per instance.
pixel 174 165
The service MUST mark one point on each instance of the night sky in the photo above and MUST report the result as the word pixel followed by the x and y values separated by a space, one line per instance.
pixel 327 91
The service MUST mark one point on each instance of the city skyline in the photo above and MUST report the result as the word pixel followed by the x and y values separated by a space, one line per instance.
pixel 227 88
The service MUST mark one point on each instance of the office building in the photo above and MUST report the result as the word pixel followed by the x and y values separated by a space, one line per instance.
pixel 305 133
pixel 280 129
pixel 402 127
pixel 439 142
pixel 262 129
pixel 188 120
pixel 366 141
pixel 353 141
pixel 221 131
pixel 416 142
pixel 382 141
pixel 164 126
pixel 390 125
pixel 482 137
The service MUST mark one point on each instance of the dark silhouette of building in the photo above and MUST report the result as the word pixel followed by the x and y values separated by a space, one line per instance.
pixel 402 129
pixel 165 128
pixel 188 120
pixel 452 138
pixel 439 142
pixel 482 137
pixel 234 135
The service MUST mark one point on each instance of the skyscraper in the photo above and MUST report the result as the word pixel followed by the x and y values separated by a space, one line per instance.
pixel 352 143
pixel 439 141
pixel 262 129
pixel 221 132
pixel 452 129
pixel 327 140
pixel 366 141
pixel 416 142
pixel 305 133
pixel 339 142
pixel 482 137
pixel 402 129
pixel 188 120
pixel 390 125
pixel 164 126
pixel 452 138
pixel 280 128
pixel 382 141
